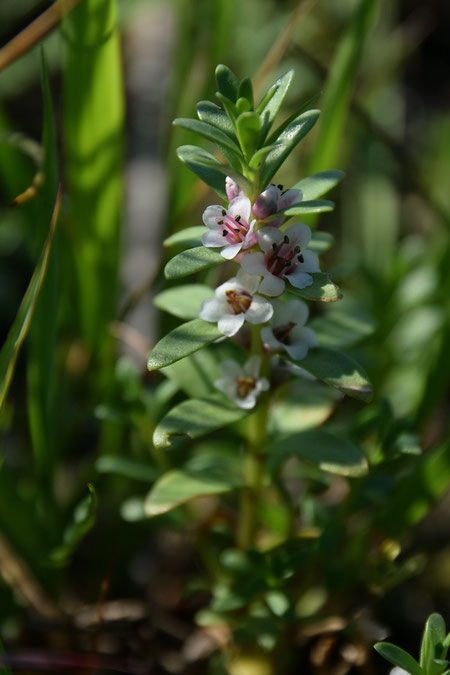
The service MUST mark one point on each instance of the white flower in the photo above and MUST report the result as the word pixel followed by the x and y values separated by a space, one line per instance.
pixel 284 257
pixel 287 329
pixel 242 384
pixel 230 227
pixel 272 200
pixel 236 301
pixel 398 671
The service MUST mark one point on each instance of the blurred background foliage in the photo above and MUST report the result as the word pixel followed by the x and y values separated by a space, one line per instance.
pixel 95 114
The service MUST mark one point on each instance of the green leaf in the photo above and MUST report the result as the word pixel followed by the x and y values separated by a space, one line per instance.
pixel 343 325
pixel 301 405
pixel 412 498
pixel 258 158
pixel 230 107
pixel 195 418
pixel 194 374
pixel 286 143
pixel 227 82
pixel 322 289
pixel 242 106
pixel 339 371
pixel 189 236
pixel 248 126
pixel 191 261
pixel 327 451
pixel 124 466
pixel 432 640
pixel 304 208
pixel 300 209
pixel 271 103
pixel 208 111
pixel 210 132
pixel 183 301
pixel 205 474
pixel 22 322
pixel 210 170
pixel 398 657
pixel 182 341
pixel 317 185
pixel 84 517
pixel 246 90
pixel 320 242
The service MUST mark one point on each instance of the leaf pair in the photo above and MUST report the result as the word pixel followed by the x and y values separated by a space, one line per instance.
pixel 433 651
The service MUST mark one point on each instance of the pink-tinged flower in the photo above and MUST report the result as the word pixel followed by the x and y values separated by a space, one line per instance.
pixel 274 199
pixel 284 257
pixel 235 302
pixel 287 329
pixel 242 384
pixel 232 189
pixel 229 228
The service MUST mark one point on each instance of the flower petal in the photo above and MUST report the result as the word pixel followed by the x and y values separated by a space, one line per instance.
pixel 249 282
pixel 272 285
pixel 267 236
pixel 253 263
pixel 231 251
pixel 299 279
pixel 300 233
pixel 269 338
pixel 288 198
pixel 211 214
pixel 213 238
pixel 297 311
pixel 297 350
pixel 267 202
pixel 260 311
pixel 212 310
pixel 240 206
pixel 311 262
pixel 252 366
pixel 230 324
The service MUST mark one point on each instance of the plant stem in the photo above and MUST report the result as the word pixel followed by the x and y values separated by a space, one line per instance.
pixel 255 457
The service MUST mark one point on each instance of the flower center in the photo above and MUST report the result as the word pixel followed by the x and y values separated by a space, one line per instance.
pixel 234 230
pixel 283 258
pixel 282 333
pixel 239 300
pixel 244 386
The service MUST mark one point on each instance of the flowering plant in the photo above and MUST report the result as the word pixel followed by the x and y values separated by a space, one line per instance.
pixel 252 329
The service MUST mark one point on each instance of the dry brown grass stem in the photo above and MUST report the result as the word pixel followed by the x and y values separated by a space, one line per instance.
pixel 35 31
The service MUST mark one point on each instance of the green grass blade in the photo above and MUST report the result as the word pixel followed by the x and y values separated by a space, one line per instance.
pixel 339 87
pixel 21 325
pixel 93 124
pixel 41 366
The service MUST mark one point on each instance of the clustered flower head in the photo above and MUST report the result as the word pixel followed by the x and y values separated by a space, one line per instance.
pixel 251 235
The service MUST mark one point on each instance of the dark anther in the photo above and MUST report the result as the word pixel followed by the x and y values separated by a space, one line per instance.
pixel 224 213
pixel 220 222
pixel 237 219
pixel 236 229
pixel 280 187
pixel 300 258
pixel 287 263
pixel 224 233
pixel 275 246
pixel 286 239
pixel 297 249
